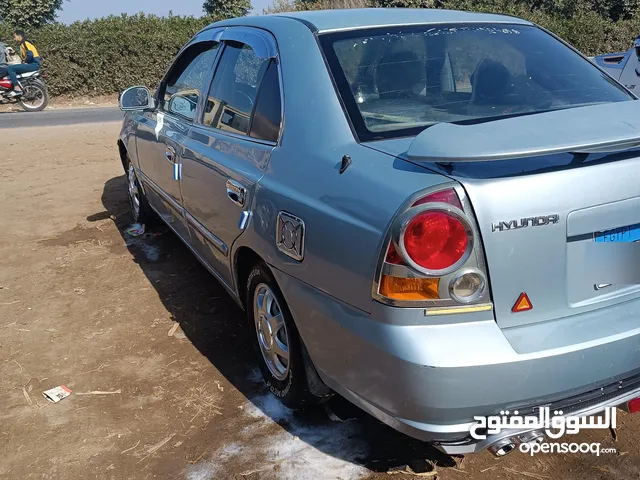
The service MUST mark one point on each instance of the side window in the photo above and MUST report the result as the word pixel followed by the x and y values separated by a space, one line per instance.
pixel 234 89
pixel 267 115
pixel 188 80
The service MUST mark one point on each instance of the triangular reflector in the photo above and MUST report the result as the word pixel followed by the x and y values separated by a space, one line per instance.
pixel 522 304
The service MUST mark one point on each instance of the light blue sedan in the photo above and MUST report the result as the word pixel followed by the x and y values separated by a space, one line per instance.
pixel 404 202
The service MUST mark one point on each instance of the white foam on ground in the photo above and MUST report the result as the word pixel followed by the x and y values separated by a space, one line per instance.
pixel 208 470
pixel 299 450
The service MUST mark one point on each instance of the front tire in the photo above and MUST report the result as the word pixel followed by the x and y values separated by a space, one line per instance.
pixel 140 209
pixel 35 98
pixel 276 340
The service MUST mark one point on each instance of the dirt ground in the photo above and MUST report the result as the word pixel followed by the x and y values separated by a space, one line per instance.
pixel 85 305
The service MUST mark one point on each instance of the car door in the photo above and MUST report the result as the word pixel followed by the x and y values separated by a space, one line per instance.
pixel 162 132
pixel 227 151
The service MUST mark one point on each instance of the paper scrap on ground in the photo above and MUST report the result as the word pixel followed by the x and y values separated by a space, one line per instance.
pixel 56 394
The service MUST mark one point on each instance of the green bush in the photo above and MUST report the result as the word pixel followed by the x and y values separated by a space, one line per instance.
pixel 107 55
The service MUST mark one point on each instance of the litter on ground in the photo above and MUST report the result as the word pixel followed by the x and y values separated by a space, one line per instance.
pixel 135 230
pixel 56 394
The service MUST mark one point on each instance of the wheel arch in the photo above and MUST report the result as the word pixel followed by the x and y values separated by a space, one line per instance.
pixel 245 259
pixel 124 155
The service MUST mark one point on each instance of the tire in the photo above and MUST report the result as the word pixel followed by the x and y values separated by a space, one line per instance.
pixel 263 302
pixel 140 209
pixel 36 87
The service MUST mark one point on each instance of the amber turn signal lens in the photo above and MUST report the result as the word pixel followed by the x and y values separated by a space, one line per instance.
pixel 409 288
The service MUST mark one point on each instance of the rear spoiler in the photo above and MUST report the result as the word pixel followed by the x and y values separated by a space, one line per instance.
pixel 610 127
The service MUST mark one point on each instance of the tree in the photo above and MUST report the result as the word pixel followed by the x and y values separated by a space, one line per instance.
pixel 29 13
pixel 222 9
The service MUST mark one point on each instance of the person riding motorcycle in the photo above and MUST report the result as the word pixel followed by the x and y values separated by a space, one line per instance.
pixel 31 60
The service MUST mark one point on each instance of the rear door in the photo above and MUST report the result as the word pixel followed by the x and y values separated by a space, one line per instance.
pixel 161 133
pixel 227 151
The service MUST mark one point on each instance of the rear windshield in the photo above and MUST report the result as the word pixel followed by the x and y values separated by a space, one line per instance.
pixel 397 81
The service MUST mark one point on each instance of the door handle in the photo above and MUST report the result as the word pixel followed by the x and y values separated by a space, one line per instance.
pixel 236 192
pixel 170 154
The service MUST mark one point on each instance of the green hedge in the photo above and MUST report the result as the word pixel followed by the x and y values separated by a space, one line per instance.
pixel 107 55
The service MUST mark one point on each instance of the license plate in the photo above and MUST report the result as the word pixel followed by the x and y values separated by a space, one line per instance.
pixel 630 233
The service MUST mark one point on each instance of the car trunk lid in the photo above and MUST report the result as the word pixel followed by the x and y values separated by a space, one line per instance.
pixel 561 178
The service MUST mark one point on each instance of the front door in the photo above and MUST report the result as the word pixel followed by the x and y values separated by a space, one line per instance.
pixel 227 151
pixel 162 133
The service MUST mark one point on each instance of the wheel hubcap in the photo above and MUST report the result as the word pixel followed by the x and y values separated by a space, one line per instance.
pixel 134 193
pixel 272 331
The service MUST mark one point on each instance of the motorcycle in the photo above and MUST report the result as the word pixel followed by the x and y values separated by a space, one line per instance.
pixel 34 97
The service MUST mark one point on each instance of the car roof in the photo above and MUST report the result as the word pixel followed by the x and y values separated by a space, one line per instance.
pixel 351 19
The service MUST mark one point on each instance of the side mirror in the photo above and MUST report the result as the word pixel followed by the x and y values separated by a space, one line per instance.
pixel 136 98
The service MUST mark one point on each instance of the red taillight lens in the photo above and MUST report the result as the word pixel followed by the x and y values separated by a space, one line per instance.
pixel 435 240
pixel 393 256
pixel 634 405
pixel 443 196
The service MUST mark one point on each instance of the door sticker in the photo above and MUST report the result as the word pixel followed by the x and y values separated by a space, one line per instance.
pixel 159 124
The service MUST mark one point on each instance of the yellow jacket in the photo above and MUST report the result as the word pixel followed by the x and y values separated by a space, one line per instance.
pixel 29 52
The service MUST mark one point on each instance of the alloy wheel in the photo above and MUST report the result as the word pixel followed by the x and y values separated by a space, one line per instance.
pixel 271 330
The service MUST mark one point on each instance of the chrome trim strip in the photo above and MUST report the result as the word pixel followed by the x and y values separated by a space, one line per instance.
pixel 245 216
pixel 215 241
pixel 483 307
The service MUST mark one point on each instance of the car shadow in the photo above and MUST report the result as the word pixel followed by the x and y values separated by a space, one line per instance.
pixel 214 324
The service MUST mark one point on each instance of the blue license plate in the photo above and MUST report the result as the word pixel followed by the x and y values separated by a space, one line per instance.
pixel 629 233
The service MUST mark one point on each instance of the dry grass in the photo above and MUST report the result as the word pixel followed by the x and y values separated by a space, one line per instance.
pixel 202 403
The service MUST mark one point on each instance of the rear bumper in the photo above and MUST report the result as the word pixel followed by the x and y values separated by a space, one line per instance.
pixel 429 378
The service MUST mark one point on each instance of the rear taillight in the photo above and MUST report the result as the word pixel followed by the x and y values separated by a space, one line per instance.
pixel 634 405
pixel 430 256
pixel 435 240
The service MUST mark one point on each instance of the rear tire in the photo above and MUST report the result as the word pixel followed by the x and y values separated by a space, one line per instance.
pixel 140 209
pixel 276 340
pixel 38 91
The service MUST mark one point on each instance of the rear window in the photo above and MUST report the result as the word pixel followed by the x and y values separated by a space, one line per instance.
pixel 398 81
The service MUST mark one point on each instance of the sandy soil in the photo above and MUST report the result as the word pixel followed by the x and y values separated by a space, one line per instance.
pixel 85 305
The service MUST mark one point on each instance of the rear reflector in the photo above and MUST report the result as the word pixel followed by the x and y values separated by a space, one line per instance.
pixel 634 405
pixel 522 304
pixel 392 256
pixel 409 288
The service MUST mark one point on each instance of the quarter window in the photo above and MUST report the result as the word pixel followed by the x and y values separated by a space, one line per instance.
pixel 188 80
pixel 267 115
pixel 234 89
